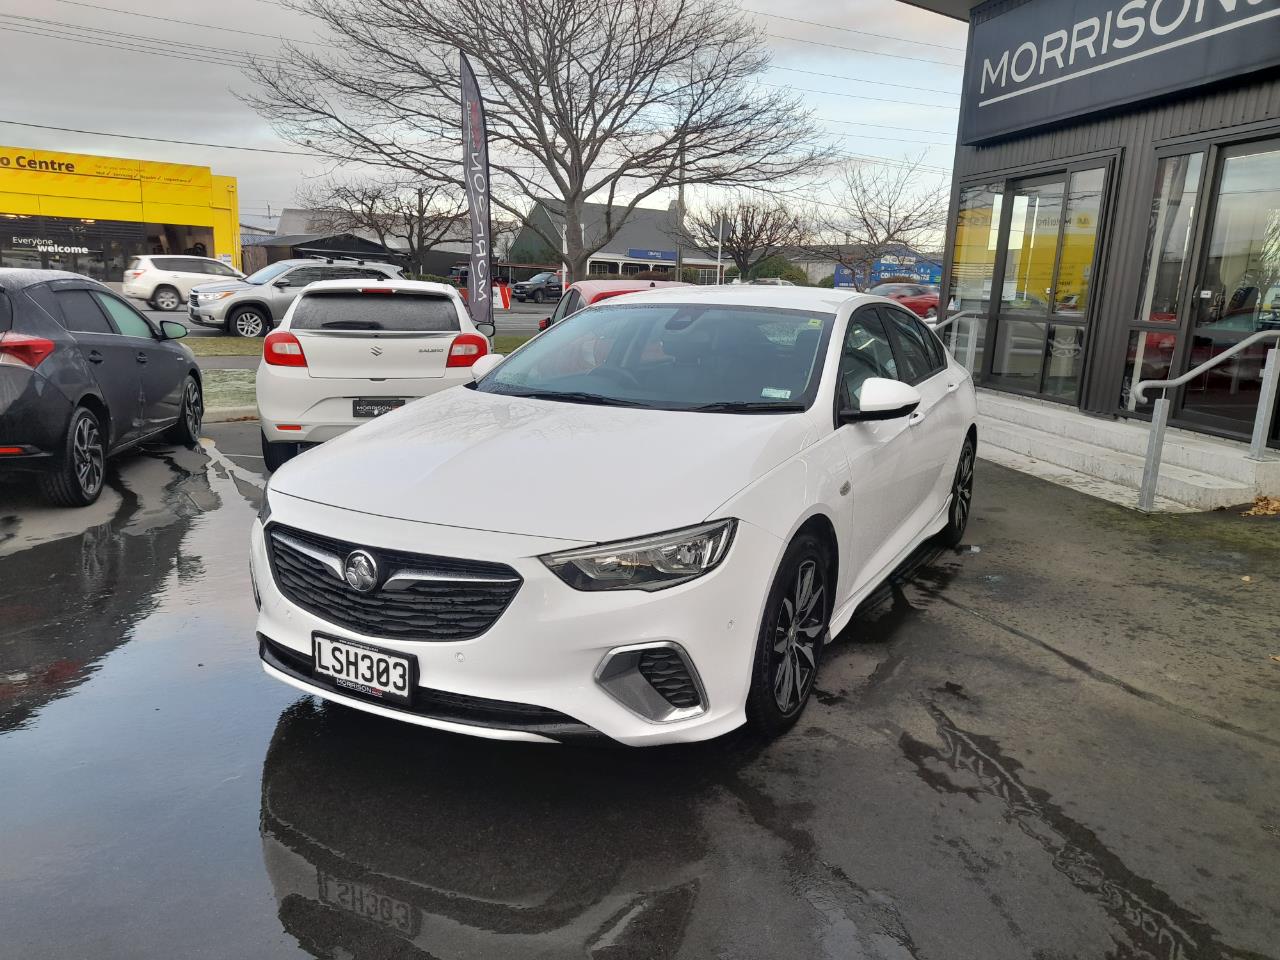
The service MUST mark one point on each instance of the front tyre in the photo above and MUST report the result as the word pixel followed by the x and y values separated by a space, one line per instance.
pixel 539 296
pixel 190 418
pixel 961 496
pixel 76 477
pixel 248 322
pixel 276 455
pixel 789 648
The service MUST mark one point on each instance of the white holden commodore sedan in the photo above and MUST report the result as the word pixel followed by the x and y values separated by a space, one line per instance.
pixel 350 350
pixel 720 474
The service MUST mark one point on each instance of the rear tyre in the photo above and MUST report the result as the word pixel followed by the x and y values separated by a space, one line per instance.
pixel 166 298
pixel 961 496
pixel 931 313
pixel 190 417
pixel 248 322
pixel 789 648
pixel 276 455
pixel 76 477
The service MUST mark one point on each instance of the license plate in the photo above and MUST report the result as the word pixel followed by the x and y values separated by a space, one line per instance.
pixel 365 901
pixel 366 670
pixel 374 406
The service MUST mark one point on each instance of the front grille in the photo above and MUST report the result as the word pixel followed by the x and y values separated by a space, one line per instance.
pixel 666 673
pixel 441 704
pixel 193 298
pixel 450 608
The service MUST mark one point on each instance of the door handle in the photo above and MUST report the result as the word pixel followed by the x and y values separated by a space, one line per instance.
pixel 141 357
pixel 953 387
pixel 95 356
pixel 914 419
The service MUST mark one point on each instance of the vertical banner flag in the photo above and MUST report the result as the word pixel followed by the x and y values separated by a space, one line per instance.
pixel 475 166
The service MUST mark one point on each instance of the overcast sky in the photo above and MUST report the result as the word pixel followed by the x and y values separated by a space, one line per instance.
pixel 884 78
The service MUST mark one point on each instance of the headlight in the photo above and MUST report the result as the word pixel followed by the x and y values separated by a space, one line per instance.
pixel 264 511
pixel 220 295
pixel 649 563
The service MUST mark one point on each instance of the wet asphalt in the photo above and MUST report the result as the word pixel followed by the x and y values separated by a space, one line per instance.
pixel 1065 743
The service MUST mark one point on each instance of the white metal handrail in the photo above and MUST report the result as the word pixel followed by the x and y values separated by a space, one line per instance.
pixel 1160 412
pixel 971 345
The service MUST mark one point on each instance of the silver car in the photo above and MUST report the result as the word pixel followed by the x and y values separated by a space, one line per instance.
pixel 252 306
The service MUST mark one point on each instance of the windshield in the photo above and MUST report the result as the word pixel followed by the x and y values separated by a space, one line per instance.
pixel 267 273
pixel 356 310
pixel 540 276
pixel 706 357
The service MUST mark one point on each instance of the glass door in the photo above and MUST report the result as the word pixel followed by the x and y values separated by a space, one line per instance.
pixel 1237 289
pixel 1048 258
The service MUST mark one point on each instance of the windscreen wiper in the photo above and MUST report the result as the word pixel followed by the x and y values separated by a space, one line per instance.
pixel 749 406
pixel 351 325
pixel 577 396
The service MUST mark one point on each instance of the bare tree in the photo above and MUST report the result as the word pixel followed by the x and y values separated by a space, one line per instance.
pixel 420 217
pixel 585 103
pixel 879 210
pixel 751 230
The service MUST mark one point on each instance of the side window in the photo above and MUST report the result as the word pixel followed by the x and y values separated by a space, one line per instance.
pixel 172 265
pixel 865 354
pixel 573 303
pixel 128 321
pixel 47 301
pixel 912 346
pixel 364 273
pixel 218 269
pixel 81 312
pixel 304 275
pixel 937 352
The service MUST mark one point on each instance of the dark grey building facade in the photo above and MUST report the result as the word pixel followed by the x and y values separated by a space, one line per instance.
pixel 1115 213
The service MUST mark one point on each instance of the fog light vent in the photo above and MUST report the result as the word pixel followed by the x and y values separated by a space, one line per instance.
pixel 667 674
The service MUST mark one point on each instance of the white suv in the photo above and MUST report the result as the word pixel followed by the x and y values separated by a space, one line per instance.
pixel 350 350
pixel 165 282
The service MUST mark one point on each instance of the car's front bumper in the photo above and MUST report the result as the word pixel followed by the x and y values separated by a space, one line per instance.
pixel 549 647
pixel 210 314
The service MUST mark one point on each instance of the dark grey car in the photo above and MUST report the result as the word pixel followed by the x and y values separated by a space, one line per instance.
pixel 83 376
pixel 252 306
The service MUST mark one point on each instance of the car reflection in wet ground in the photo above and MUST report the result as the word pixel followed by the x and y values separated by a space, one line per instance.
pixel 1063 744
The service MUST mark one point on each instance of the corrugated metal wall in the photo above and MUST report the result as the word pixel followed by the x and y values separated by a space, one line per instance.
pixel 1132 137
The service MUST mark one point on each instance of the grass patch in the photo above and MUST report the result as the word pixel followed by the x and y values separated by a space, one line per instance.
pixel 506 342
pixel 223 346
pixel 229 388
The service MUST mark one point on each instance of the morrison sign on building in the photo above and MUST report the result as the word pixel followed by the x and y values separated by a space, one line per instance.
pixel 1049 60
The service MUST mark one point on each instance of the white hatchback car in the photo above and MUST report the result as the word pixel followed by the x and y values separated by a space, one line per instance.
pixel 164 282
pixel 350 350
pixel 723 474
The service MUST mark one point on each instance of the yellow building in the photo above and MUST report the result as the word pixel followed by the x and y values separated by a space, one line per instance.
pixel 89 214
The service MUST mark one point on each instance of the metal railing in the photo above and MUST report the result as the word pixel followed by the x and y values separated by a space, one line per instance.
pixel 971 345
pixel 1160 412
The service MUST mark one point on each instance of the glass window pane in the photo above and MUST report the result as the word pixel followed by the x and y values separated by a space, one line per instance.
pixel 126 319
pixel 1033 247
pixel 1065 357
pixel 913 349
pixel 973 258
pixel 81 312
pixel 866 354
pixel 1079 240
pixel 1239 286
pixel 1019 352
pixel 1149 357
pixel 1169 238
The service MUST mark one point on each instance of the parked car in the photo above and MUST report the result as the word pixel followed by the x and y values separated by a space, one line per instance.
pixel 83 376
pixel 539 288
pixel 586 292
pixel 165 282
pixel 252 306
pixel 920 299
pixel 349 350
pixel 725 474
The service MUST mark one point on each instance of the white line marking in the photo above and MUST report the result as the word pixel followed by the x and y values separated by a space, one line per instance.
pixel 218 457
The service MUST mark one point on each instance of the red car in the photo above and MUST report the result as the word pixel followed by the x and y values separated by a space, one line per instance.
pixel 920 299
pixel 586 292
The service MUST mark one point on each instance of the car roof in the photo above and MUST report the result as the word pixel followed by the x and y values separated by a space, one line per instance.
pixel 405 286
pixel 820 299
pixel 591 289
pixel 334 262
pixel 176 256
pixel 19 278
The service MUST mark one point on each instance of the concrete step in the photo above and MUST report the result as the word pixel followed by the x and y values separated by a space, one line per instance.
pixel 1182 448
pixel 1192 488
pixel 1063 476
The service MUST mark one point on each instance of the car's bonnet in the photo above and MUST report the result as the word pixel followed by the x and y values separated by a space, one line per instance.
pixel 543 468
pixel 218 286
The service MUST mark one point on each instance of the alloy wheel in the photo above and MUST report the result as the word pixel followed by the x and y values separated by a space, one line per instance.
pixel 801 624
pixel 249 323
pixel 167 299
pixel 88 456
pixel 962 490
pixel 193 409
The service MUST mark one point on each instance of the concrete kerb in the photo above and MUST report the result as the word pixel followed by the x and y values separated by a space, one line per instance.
pixel 228 414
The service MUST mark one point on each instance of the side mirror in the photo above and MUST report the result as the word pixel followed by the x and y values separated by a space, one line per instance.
pixel 882 399
pixel 172 330
pixel 485 364
pixel 544 323
pixel 486 329
pixel 281 284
